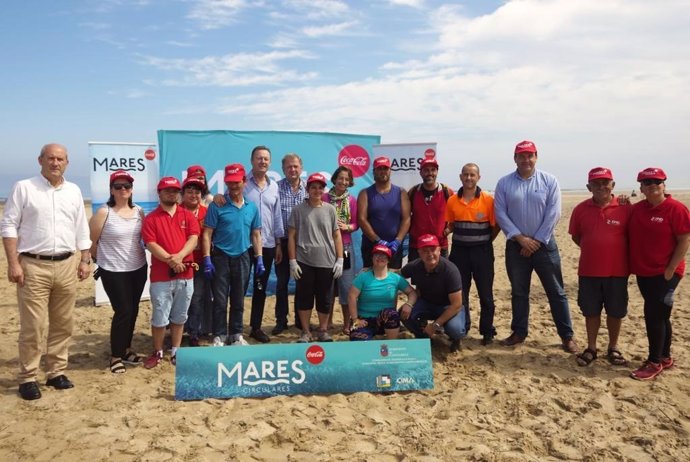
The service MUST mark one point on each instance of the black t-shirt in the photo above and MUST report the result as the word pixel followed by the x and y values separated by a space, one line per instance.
pixel 434 287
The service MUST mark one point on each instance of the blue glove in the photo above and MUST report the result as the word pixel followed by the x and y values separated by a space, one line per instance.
pixel 209 269
pixel 394 245
pixel 260 268
pixel 382 242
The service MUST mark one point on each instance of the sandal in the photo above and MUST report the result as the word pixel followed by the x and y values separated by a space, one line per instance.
pixel 116 367
pixel 616 358
pixel 133 359
pixel 587 357
pixel 346 331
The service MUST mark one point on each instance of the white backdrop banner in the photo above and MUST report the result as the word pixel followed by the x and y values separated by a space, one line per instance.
pixel 405 159
pixel 139 160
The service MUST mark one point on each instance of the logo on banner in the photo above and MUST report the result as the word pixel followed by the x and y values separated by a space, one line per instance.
pixel 384 350
pixel 384 381
pixel 356 158
pixel 150 154
pixel 264 373
pixel 110 164
pixel 315 354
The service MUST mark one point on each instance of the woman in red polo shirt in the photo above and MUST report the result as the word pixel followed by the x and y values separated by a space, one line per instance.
pixel 659 235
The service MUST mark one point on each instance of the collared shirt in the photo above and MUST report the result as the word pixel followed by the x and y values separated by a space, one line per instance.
pixel 268 202
pixel 473 220
pixel 46 220
pixel 436 286
pixel 289 198
pixel 232 225
pixel 530 207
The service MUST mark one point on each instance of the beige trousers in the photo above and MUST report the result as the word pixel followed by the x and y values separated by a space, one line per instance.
pixel 46 300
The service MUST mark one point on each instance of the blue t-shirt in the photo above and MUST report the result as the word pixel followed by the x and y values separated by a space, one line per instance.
pixel 377 294
pixel 232 226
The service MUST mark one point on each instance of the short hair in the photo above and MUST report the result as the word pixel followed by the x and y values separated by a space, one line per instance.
pixel 292 155
pixel 259 148
pixel 341 169
pixel 470 164
pixel 46 146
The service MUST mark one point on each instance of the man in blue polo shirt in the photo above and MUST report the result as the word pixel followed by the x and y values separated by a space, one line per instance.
pixel 232 229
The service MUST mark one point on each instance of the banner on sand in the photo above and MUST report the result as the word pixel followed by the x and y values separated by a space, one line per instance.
pixel 303 368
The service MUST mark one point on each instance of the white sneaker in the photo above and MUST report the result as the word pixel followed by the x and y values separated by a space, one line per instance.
pixel 239 341
pixel 219 340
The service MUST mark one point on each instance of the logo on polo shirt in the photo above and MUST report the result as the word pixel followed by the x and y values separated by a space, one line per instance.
pixel 610 221
pixel 657 219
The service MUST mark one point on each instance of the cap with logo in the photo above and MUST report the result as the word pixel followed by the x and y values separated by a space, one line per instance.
pixel 600 173
pixel 525 146
pixel 193 181
pixel 234 172
pixel 382 162
pixel 428 162
pixel 316 178
pixel 117 174
pixel 378 248
pixel 427 240
pixel 168 182
pixel 651 173
pixel 196 170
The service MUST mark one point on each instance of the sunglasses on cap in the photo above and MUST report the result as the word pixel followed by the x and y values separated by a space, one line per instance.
pixel 120 186
pixel 651 182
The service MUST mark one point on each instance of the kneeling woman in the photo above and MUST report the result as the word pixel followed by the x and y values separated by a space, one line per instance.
pixel 373 299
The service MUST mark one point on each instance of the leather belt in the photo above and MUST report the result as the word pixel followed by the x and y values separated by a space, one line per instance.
pixel 63 256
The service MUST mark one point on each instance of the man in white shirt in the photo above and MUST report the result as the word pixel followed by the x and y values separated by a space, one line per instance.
pixel 46 238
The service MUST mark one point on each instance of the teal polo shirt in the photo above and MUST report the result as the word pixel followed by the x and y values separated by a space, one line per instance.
pixel 232 226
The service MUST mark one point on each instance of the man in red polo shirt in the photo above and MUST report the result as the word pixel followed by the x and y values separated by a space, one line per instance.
pixel 599 226
pixel 170 233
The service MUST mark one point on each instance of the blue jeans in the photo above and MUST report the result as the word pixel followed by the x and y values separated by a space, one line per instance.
pixel 423 311
pixel 170 301
pixel 546 262
pixel 232 277
pixel 200 306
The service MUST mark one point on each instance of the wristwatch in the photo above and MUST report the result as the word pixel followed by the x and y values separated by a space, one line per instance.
pixel 437 326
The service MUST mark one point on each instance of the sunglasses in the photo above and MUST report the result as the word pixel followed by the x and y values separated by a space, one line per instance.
pixel 651 182
pixel 120 186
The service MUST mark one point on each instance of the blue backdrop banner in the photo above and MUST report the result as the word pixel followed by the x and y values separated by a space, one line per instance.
pixel 302 368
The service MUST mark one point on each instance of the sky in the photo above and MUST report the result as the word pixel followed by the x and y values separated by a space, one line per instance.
pixel 591 82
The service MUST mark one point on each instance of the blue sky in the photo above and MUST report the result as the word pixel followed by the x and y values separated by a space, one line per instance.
pixel 592 82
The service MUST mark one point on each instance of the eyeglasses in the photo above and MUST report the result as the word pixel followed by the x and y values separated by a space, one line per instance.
pixel 119 186
pixel 651 182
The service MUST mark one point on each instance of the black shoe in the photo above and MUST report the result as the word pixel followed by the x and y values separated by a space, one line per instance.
pixel 29 391
pixel 513 339
pixel 260 336
pixel 455 345
pixel 279 329
pixel 487 340
pixel 61 382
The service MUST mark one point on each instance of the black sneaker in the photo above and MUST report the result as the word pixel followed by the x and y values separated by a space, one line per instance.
pixel 279 329
pixel 29 391
pixel 455 345
pixel 260 336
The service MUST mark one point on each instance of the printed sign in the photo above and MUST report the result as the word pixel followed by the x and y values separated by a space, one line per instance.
pixel 405 160
pixel 303 368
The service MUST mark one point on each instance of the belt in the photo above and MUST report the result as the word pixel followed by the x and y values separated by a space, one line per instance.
pixel 62 256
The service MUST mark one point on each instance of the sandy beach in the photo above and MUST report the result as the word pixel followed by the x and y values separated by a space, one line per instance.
pixel 526 403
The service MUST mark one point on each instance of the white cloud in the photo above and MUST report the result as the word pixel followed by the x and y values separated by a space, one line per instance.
pixel 328 29
pixel 214 14
pixel 317 9
pixel 412 3
pixel 232 70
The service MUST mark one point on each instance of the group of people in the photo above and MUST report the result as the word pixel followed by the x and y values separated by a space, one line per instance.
pixel 204 250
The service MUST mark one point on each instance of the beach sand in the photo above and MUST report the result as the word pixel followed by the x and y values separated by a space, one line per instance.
pixel 526 403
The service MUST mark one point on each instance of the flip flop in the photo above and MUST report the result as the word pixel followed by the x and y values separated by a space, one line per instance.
pixel 116 367
pixel 133 359
pixel 587 357
pixel 616 358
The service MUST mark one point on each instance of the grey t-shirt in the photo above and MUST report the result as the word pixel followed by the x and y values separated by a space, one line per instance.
pixel 314 240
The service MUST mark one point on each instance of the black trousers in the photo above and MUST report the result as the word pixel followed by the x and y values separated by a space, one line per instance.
pixel 259 295
pixel 657 293
pixel 124 290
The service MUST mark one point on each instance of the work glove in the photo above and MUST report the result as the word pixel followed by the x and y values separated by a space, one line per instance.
pixel 382 242
pixel 295 270
pixel 338 268
pixel 260 269
pixel 394 246
pixel 209 269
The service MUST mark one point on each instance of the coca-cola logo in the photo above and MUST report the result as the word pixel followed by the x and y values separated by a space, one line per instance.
pixel 315 354
pixel 150 154
pixel 430 153
pixel 356 158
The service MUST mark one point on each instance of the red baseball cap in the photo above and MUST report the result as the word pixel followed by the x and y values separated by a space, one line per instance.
pixel 193 181
pixel 234 172
pixel 427 240
pixel 316 178
pixel 382 162
pixel 378 248
pixel 525 146
pixel 121 174
pixel 428 162
pixel 600 173
pixel 168 182
pixel 651 173
pixel 196 170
